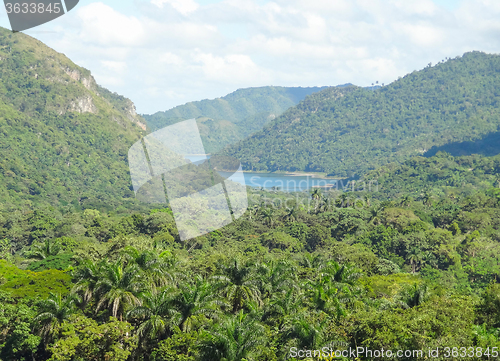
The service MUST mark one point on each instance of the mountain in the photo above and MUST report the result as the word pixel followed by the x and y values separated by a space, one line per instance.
pixel 348 131
pixel 64 139
pixel 226 120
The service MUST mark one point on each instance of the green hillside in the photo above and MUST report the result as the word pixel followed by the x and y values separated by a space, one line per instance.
pixel 63 139
pixel 437 176
pixel 350 131
pixel 412 266
pixel 324 270
pixel 226 120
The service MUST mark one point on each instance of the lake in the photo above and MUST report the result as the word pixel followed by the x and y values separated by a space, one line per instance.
pixel 283 182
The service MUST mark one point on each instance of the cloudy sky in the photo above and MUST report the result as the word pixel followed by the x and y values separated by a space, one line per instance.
pixel 163 53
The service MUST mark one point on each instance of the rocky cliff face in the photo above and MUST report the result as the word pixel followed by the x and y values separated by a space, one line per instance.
pixel 38 79
pixel 83 105
pixel 64 138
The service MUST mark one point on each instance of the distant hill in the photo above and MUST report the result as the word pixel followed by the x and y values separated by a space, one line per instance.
pixel 436 176
pixel 226 120
pixel 349 131
pixel 64 139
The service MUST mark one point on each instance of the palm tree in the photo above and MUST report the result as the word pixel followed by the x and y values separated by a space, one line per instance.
pixel 156 269
pixel 253 211
pixel 44 250
pixel 267 215
pixel 346 278
pixel 414 257
pixel 306 334
pixel 53 311
pixel 153 314
pixel 342 274
pixel 194 300
pixel 324 296
pixel 343 199
pixel 316 196
pixel 86 278
pixel 335 286
pixel 119 288
pixel 311 261
pixel 325 205
pixel 236 339
pixel 291 215
pixel 238 284
pixel 276 277
pixel 375 218
pixel 415 296
pixel 282 308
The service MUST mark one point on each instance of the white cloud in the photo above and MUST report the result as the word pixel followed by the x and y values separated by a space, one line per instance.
pixel 174 51
pixel 119 67
pixel 231 69
pixel 102 25
pixel 170 59
pixel 423 35
pixel 183 6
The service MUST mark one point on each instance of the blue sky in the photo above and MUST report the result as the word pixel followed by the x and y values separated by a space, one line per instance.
pixel 163 53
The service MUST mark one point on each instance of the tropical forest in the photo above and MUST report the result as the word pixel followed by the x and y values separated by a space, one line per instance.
pixel 399 260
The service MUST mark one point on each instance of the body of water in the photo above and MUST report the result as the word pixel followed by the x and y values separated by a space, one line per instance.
pixel 283 182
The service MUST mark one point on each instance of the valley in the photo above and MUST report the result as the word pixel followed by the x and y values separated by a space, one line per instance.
pixel 403 253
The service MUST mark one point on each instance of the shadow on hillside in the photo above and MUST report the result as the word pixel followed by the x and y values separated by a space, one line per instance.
pixel 487 146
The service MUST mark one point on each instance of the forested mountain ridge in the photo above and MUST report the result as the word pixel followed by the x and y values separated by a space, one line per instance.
pixel 456 100
pixel 226 120
pixel 64 139
pixel 413 266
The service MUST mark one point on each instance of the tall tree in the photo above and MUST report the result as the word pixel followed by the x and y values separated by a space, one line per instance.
pixel 237 338
pixel 238 283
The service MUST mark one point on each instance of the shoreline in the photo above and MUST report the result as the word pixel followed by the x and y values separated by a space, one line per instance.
pixel 293 174
pixel 297 174
pixel 290 174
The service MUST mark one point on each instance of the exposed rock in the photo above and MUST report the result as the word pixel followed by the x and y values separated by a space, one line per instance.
pixel 131 114
pixel 83 105
pixel 87 82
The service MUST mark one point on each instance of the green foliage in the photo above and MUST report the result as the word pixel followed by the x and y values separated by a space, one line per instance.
pixel 17 341
pixel 82 338
pixel 489 306
pixel 23 283
pixel 377 275
pixel 66 138
pixel 236 338
pixel 226 120
pixel 59 262
pixel 427 178
pixel 181 346
pixel 347 131
pixel 441 321
pixel 414 266
pixel 389 286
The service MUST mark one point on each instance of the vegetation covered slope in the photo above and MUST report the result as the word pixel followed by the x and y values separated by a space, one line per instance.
pixel 334 270
pixel 422 177
pixel 226 120
pixel 348 133
pixel 63 139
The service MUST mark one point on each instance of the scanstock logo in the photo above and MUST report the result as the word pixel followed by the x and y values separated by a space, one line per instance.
pixel 26 14
pixel 203 196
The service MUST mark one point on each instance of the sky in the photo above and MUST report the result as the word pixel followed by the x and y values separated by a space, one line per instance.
pixel 164 53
